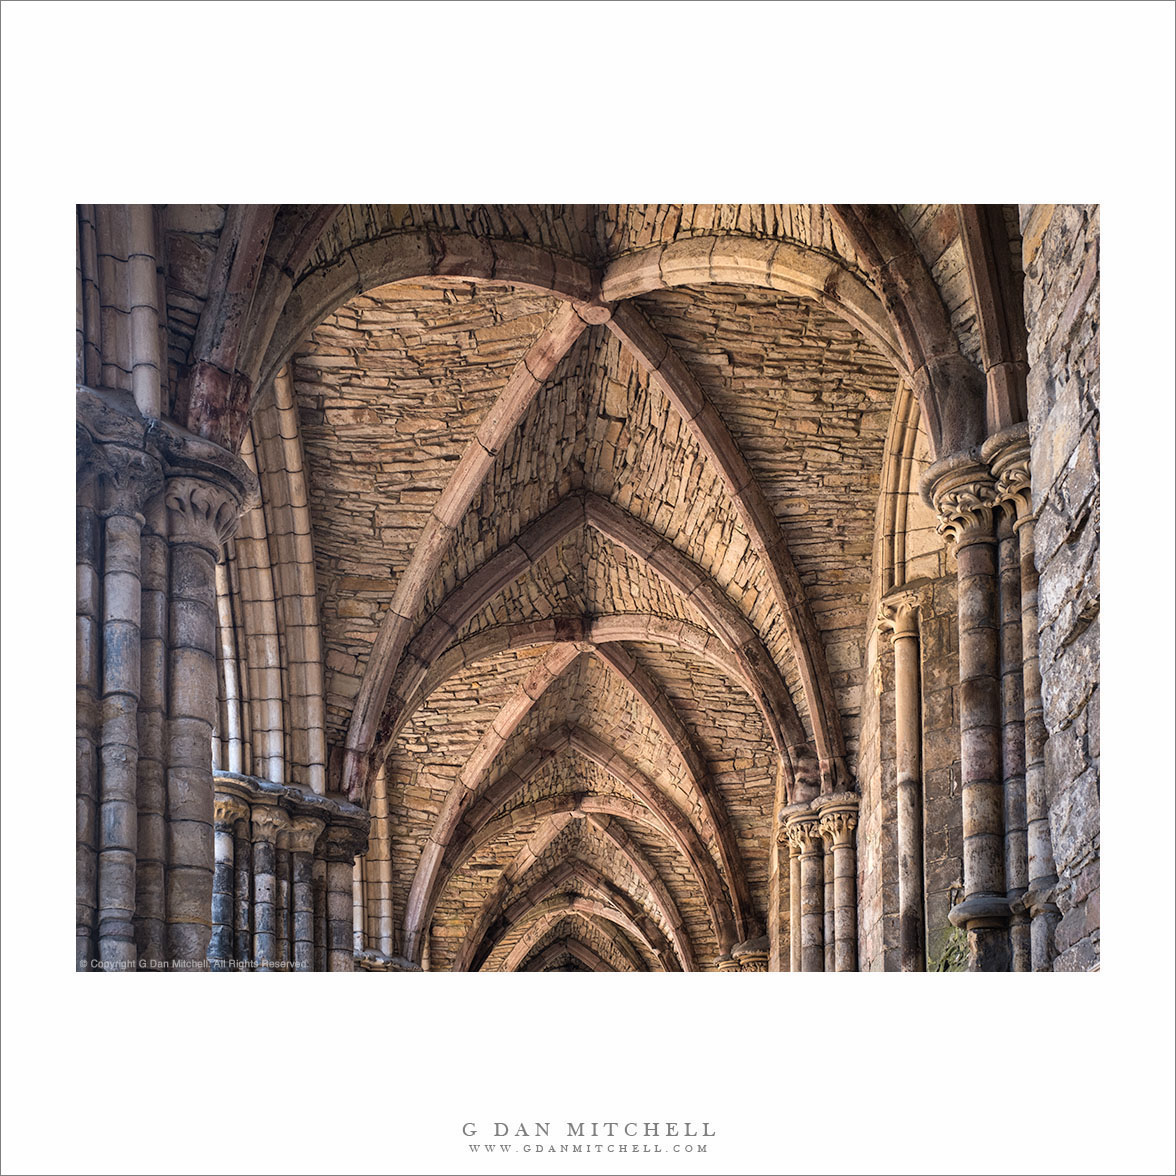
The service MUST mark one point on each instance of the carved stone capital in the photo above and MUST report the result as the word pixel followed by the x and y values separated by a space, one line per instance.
pixel 343 843
pixel 1007 454
pixel 962 493
pixel 726 964
pixel 127 479
pixel 837 817
pixel 227 811
pixel 301 834
pixel 801 830
pixel 268 821
pixel 898 612
pixel 201 512
pixel 837 827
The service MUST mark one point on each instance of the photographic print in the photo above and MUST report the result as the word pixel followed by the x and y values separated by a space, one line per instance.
pixel 498 615
pixel 611 588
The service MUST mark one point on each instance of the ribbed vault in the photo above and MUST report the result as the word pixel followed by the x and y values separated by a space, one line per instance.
pixel 593 495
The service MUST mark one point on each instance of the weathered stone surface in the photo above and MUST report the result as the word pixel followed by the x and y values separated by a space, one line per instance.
pixel 1062 312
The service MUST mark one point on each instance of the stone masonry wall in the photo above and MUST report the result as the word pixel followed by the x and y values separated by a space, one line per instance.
pixel 1061 260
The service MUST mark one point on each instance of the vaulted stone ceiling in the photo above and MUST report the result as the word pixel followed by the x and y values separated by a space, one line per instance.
pixel 579 748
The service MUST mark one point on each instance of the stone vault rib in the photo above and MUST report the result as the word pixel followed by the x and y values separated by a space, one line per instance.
pixel 612 831
pixel 570 870
pixel 500 421
pixel 433 875
pixel 709 429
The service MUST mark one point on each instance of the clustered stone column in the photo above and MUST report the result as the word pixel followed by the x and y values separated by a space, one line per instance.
pixel 986 509
pixel 837 821
pixel 900 615
pixel 269 840
pixel 963 493
pixel 170 872
pixel 154 504
pixel 128 477
pixel 1033 865
pixel 808 899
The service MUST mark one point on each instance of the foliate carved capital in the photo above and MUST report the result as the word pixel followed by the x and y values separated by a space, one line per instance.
pixel 837 815
pixel 962 492
pixel 201 512
pixel 898 613
pixel 804 835
pixel 301 834
pixel 754 962
pixel 268 821
pixel 1007 454
pixel 837 826
pixel 127 479
pixel 227 811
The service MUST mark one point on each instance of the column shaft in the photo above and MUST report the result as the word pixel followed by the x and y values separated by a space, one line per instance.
pixel 266 823
pixel 812 904
pixel 89 677
pixel 1040 860
pixel 845 900
pixel 118 833
pixel 220 947
pixel 1013 738
pixel 321 934
pixel 302 873
pixel 830 928
pixel 243 892
pixel 340 935
pixel 192 691
pixel 150 901
pixel 794 907
pixel 909 770
pixel 284 954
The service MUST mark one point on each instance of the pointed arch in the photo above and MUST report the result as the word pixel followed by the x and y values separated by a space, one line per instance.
pixel 569 870
pixel 612 831
pixel 576 948
pixel 434 871
pixel 733 629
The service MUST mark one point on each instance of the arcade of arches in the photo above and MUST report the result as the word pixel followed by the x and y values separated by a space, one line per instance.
pixel 606 587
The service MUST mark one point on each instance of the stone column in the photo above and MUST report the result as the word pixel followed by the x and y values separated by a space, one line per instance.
pixel 341 843
pixel 285 952
pixel 206 489
pixel 89 677
pixel 900 614
pixel 150 882
pixel 127 479
pixel 830 929
pixel 1009 454
pixel 794 895
pixel 838 820
pixel 301 835
pixel 227 811
pixel 803 829
pixel 243 889
pixel 1012 709
pixel 963 494
pixel 321 934
pixel 267 822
